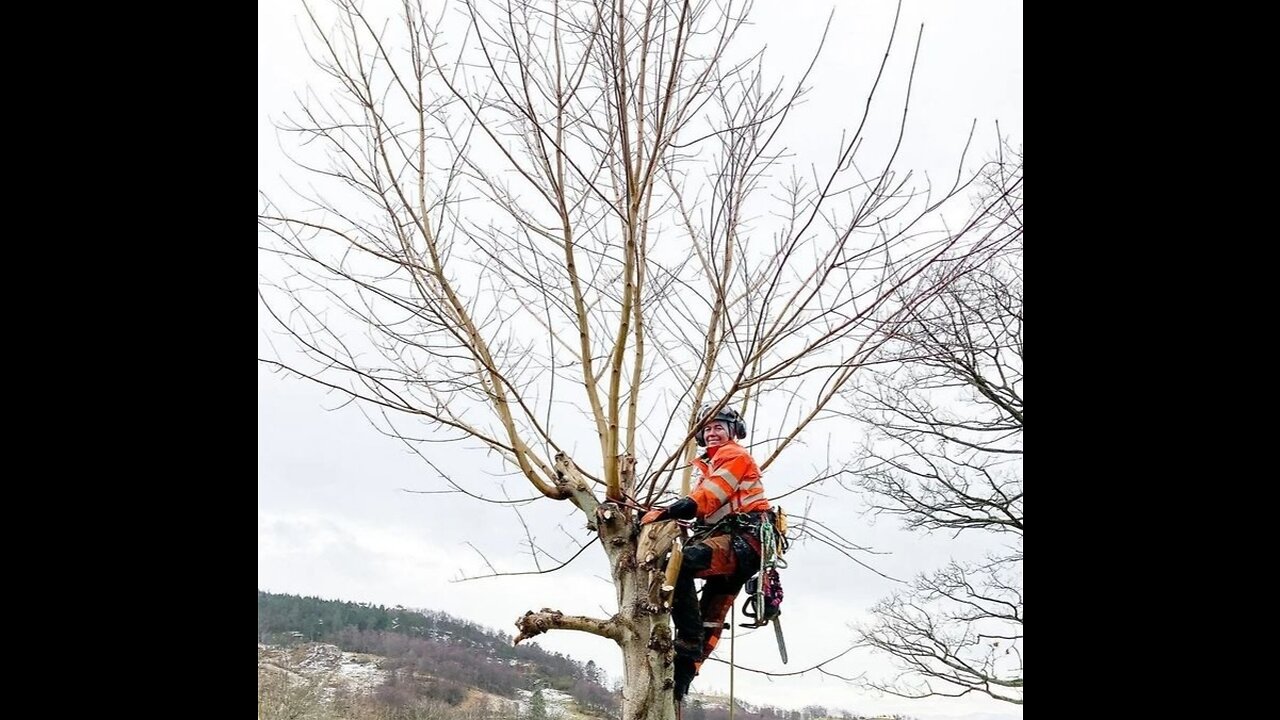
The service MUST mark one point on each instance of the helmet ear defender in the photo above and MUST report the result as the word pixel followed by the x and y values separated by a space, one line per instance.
pixel 737 427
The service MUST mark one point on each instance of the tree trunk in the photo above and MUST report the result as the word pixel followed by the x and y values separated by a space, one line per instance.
pixel 647 651
pixel 642 626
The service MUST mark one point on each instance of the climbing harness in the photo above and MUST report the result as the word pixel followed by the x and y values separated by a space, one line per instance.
pixel 764 591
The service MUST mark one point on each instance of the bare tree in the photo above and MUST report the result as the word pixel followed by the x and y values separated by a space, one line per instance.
pixel 945 454
pixel 532 222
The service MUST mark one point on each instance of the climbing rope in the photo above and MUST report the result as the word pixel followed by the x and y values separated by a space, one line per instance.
pixel 733 645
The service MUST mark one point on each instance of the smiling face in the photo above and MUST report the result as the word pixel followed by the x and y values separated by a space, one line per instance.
pixel 716 433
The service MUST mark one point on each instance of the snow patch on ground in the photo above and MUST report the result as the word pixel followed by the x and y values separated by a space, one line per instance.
pixel 326 665
pixel 559 704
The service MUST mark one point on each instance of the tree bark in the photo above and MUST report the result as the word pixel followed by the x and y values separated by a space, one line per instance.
pixel 642 626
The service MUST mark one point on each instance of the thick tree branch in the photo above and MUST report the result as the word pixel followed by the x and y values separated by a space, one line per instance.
pixel 533 624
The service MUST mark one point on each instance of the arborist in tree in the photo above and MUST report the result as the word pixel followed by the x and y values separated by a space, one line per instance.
pixel 729 504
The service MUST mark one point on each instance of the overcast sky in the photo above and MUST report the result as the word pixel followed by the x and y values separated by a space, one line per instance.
pixel 334 519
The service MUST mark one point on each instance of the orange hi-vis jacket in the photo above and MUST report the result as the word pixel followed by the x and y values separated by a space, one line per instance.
pixel 728 482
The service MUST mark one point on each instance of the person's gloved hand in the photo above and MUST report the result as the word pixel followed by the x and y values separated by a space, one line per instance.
pixel 683 509
pixel 654 516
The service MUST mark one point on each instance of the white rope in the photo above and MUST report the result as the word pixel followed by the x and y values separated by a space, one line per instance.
pixel 733 623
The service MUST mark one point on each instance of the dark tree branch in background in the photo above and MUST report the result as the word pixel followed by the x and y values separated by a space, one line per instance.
pixel 945 453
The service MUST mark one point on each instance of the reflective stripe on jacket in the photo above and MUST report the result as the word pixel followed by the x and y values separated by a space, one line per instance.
pixel 729 482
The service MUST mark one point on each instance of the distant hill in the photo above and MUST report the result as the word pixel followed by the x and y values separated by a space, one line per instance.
pixel 330 659
pixel 320 681
pixel 446 655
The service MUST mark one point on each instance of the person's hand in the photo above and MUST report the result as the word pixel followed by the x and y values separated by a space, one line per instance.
pixel 654 516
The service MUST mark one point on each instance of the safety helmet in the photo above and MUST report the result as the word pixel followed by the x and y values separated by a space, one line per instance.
pixel 737 428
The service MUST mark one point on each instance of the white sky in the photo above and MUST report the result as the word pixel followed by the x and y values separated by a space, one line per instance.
pixel 333 520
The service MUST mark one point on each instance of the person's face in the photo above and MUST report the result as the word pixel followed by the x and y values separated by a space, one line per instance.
pixel 716 433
